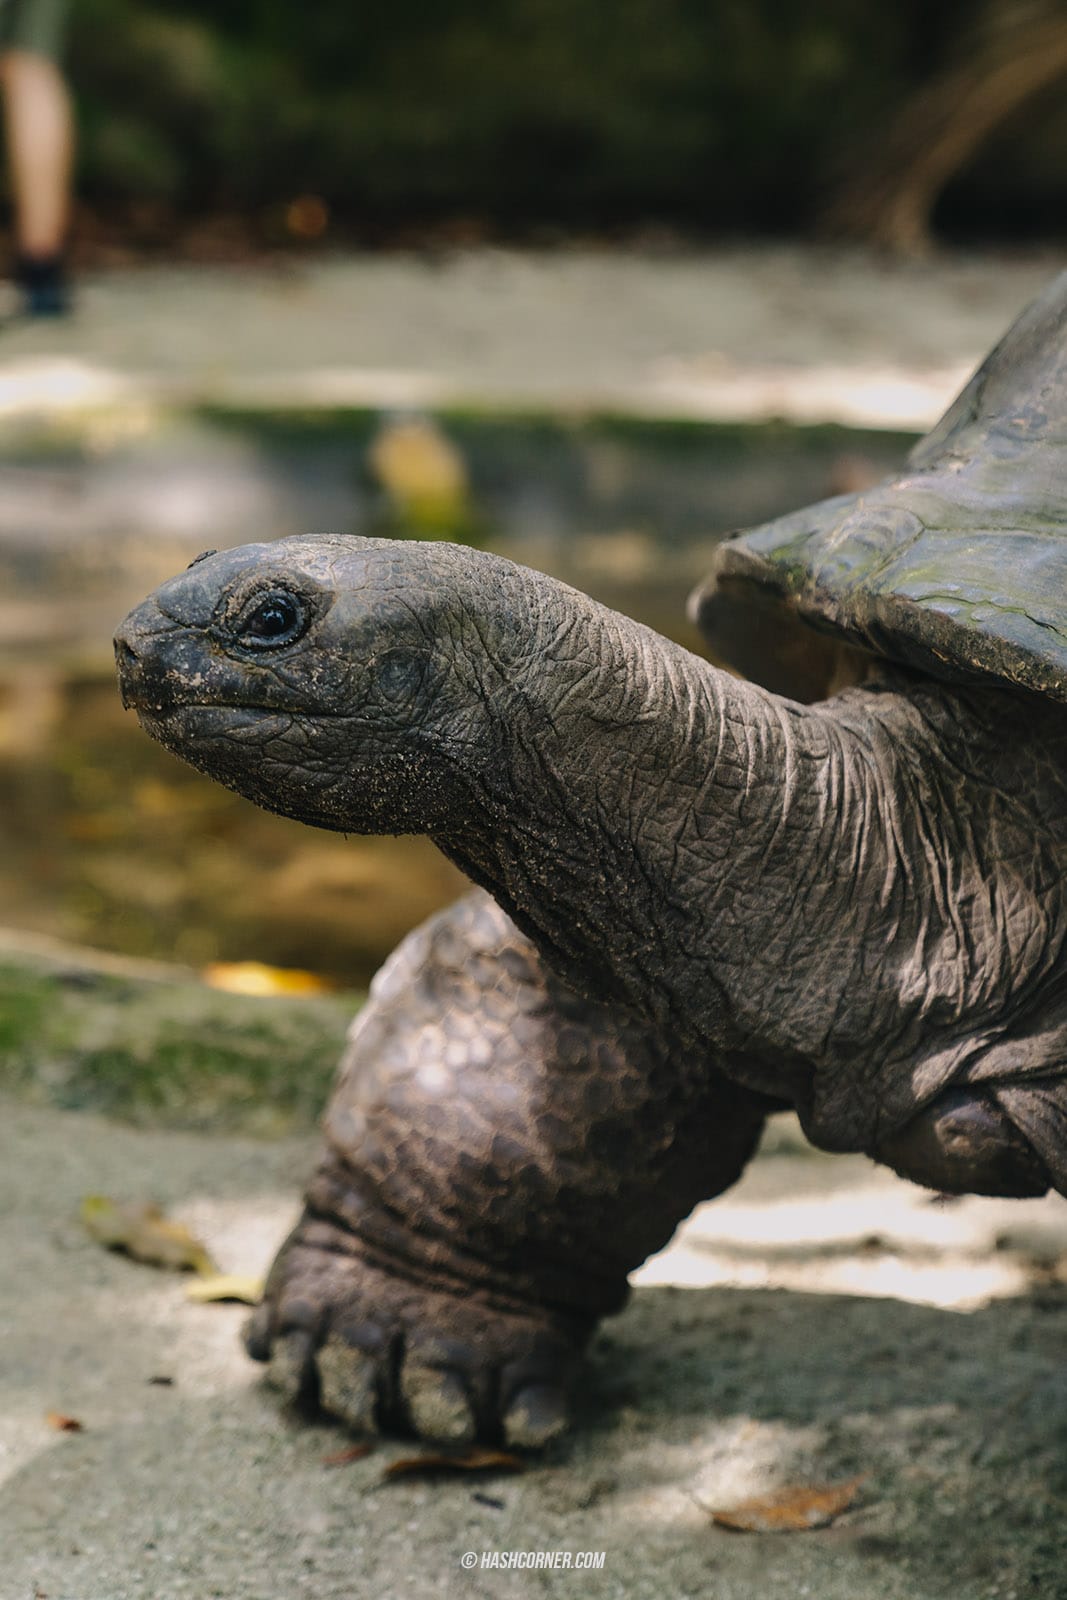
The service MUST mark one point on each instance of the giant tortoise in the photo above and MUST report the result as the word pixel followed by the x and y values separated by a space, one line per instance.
pixel 698 900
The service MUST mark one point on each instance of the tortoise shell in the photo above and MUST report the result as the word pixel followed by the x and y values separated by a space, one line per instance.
pixel 958 566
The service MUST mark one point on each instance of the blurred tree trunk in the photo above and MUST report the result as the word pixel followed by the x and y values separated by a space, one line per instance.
pixel 1014 52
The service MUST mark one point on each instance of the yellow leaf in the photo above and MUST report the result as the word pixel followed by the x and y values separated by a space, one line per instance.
pixel 417 464
pixel 140 1229
pixel 790 1510
pixel 226 1286
pixel 256 978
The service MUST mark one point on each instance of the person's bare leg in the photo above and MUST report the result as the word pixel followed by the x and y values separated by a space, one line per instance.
pixel 39 127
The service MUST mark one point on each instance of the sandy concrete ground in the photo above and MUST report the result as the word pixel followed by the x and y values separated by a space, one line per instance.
pixel 832 1322
pixel 745 333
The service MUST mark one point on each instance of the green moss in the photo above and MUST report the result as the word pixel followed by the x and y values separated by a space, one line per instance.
pixel 24 1011
pixel 171 1053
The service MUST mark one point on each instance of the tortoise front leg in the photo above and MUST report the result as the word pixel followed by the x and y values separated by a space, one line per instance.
pixel 499 1155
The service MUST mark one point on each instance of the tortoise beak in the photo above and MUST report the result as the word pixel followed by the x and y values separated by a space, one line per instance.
pixel 143 679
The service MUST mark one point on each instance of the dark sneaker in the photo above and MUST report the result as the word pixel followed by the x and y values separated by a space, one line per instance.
pixel 43 284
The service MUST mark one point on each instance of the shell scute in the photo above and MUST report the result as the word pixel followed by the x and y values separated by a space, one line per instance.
pixel 958 564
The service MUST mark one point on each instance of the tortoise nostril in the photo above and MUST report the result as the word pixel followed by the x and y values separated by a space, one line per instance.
pixel 125 654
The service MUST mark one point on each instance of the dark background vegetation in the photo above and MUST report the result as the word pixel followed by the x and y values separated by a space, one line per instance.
pixel 708 116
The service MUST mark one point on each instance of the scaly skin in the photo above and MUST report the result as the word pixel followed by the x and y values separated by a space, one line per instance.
pixel 856 908
pixel 499 1154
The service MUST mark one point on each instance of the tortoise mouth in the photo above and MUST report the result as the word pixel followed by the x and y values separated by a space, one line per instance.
pixel 205 719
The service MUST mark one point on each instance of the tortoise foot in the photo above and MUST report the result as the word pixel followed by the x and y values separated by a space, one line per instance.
pixel 383 1351
pixel 498 1154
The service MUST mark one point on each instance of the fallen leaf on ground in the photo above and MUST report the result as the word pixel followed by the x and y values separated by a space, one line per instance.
pixel 63 1423
pixel 255 977
pixel 791 1510
pixel 226 1286
pixel 469 1461
pixel 341 1458
pixel 141 1229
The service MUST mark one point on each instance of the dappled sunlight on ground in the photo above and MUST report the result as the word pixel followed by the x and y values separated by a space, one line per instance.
pixel 841 1225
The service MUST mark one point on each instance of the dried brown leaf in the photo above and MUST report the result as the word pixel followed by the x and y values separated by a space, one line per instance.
pixel 341 1458
pixel 141 1229
pixel 62 1423
pixel 792 1510
pixel 473 1460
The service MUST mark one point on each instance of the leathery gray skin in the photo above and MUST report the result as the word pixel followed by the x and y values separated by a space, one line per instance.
pixel 706 902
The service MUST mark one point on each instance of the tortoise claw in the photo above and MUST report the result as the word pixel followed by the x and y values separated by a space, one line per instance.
pixel 292 1365
pixel 437 1404
pixel 348 1382
pixel 380 1351
pixel 536 1415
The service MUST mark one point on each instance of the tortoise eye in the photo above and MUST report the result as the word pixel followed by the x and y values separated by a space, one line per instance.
pixel 278 619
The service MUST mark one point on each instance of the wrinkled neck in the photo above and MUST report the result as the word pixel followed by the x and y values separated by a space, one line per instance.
pixel 632 788
pixel 849 901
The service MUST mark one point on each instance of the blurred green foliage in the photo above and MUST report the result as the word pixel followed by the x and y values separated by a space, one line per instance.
pixel 717 114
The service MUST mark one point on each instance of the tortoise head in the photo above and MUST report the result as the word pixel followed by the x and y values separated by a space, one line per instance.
pixel 332 679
